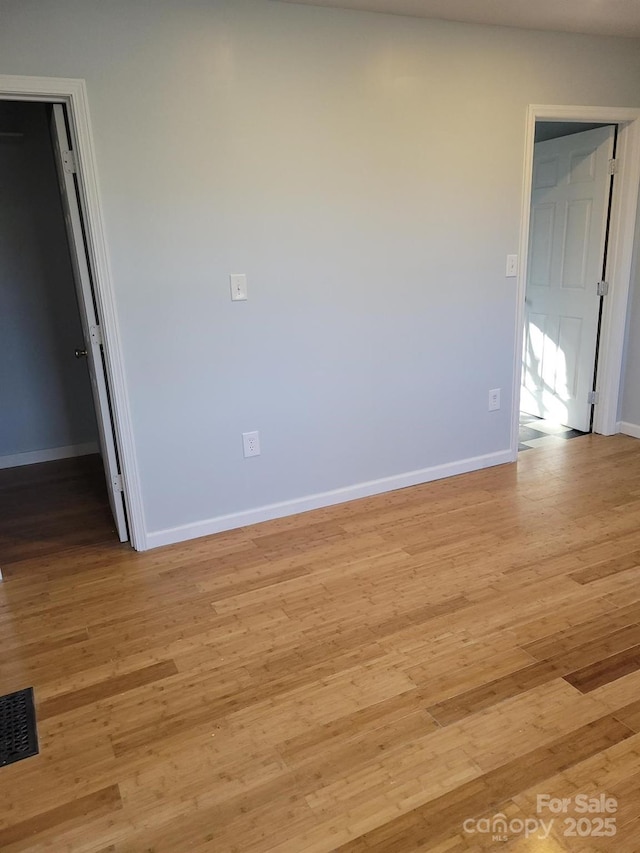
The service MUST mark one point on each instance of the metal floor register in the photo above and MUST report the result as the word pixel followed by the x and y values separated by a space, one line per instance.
pixel 18 734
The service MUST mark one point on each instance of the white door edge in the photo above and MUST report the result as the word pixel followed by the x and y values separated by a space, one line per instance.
pixel 620 254
pixel 74 222
pixel 72 92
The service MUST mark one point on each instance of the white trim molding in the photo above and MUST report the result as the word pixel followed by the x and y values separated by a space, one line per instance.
pixel 73 93
pixel 324 499
pixel 619 261
pixel 629 429
pixel 32 457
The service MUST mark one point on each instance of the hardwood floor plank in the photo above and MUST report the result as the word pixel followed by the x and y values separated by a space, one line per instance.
pixel 361 677
pixel 607 568
pixel 465 668
pixel 629 715
pixel 52 644
pixel 491 693
pixel 584 632
pixel 611 668
pixel 557 664
pixel 438 818
pixel 385 713
pixel 106 800
pixel 614 772
pixel 119 684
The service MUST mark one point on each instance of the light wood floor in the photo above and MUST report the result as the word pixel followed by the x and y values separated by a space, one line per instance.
pixel 362 678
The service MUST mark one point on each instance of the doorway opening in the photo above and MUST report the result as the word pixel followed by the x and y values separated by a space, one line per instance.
pixel 571 200
pixel 579 204
pixel 71 96
pixel 57 440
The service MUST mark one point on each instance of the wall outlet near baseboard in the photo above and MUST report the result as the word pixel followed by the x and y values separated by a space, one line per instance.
pixel 494 399
pixel 251 444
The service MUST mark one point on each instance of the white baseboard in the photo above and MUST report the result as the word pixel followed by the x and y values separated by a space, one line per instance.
pixel 361 490
pixel 35 456
pixel 629 429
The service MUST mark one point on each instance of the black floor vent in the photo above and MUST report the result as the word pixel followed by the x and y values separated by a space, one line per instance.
pixel 18 735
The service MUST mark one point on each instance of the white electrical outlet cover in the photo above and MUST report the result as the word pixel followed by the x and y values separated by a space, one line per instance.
pixel 251 444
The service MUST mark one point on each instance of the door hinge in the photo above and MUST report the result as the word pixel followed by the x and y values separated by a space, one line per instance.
pixel 69 162
pixel 96 335
pixel 117 482
pixel 603 288
pixel 613 166
pixel 593 397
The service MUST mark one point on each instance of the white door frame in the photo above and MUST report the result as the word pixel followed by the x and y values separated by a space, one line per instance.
pixel 620 254
pixel 73 94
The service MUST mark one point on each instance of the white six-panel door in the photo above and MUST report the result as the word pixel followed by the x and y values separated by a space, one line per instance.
pixel 91 330
pixel 569 203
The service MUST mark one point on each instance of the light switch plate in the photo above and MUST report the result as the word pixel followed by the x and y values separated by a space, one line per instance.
pixel 512 266
pixel 238 282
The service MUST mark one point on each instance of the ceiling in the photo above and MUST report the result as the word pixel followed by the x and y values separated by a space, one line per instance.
pixel 599 17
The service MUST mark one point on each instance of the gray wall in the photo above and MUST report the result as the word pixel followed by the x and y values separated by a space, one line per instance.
pixel 349 163
pixel 45 397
